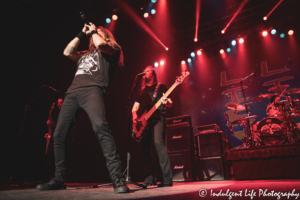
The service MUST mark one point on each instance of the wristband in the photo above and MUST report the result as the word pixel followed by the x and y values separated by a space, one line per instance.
pixel 94 32
pixel 81 35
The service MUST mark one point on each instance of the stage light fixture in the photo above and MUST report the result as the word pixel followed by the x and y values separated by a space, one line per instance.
pixel 182 62
pixel 223 31
pixel 241 40
pixel 273 31
pixel 156 64
pixel 153 1
pixel 153 11
pixel 167 48
pixel 162 62
pixel 221 51
pixel 189 60
pixel 108 20
pixel 114 17
pixel 264 33
pixel 265 18
pixel 195 39
pixel 146 15
pixel 291 32
pixel 233 42
pixel 193 54
pixel 199 52
pixel 228 50
pixel 282 35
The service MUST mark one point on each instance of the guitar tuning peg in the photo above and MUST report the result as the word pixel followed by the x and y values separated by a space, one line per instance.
pixel 177 76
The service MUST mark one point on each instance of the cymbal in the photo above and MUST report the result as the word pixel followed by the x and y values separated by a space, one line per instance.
pixel 262 96
pixel 234 106
pixel 292 100
pixel 294 91
pixel 278 88
pixel 244 119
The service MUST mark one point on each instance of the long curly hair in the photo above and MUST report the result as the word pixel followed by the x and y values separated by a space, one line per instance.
pixel 110 39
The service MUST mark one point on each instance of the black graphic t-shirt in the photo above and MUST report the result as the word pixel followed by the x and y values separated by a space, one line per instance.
pixel 95 69
pixel 145 99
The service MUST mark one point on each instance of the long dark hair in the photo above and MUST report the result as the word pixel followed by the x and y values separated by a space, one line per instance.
pixel 143 83
pixel 111 42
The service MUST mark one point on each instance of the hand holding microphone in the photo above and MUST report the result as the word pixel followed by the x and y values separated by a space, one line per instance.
pixel 88 26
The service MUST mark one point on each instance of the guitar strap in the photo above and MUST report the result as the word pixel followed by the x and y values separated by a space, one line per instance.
pixel 155 92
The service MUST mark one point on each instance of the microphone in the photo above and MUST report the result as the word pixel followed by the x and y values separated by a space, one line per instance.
pixel 141 74
pixel 84 18
pixel 290 61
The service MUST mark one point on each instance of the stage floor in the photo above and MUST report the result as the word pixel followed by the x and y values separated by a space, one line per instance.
pixel 231 189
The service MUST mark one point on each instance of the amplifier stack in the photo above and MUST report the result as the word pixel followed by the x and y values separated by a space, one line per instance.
pixel 211 145
pixel 181 150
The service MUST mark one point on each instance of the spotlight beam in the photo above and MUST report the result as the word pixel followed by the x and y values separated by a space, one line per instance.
pixel 235 14
pixel 267 16
pixel 198 5
pixel 140 22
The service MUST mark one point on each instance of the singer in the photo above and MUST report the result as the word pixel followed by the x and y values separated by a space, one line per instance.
pixel 150 93
pixel 95 71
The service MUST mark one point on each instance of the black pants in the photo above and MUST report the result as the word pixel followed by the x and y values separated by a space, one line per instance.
pixel 90 100
pixel 164 161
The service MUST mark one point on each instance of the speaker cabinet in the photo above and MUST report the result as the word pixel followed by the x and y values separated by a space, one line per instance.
pixel 179 139
pixel 211 168
pixel 183 167
pixel 210 144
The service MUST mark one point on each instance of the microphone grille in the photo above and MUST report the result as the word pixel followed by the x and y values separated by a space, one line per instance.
pixel 82 15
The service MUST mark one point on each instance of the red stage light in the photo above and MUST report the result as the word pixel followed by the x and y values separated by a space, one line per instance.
pixel 198 52
pixel 291 32
pixel 167 49
pixel 264 33
pixel 183 62
pixel 234 16
pixel 221 51
pixel 162 62
pixel 146 15
pixel 114 17
pixel 266 17
pixel 198 5
pixel 241 40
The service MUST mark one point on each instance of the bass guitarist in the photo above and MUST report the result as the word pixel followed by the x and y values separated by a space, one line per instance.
pixel 151 91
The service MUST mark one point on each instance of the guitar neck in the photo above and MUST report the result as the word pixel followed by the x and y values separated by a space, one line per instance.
pixel 158 103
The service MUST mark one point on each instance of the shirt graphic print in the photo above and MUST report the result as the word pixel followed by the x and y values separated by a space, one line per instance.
pixel 89 64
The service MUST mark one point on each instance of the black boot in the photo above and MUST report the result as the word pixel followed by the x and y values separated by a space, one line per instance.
pixel 53 184
pixel 166 184
pixel 150 181
pixel 120 186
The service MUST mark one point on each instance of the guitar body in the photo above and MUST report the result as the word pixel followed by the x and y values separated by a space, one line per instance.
pixel 139 128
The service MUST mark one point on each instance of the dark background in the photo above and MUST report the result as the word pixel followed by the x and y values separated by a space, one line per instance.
pixel 42 29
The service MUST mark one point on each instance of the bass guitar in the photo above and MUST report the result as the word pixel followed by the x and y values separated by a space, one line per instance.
pixel 139 128
pixel 50 129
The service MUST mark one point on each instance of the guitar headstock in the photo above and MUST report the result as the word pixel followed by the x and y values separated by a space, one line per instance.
pixel 52 107
pixel 181 78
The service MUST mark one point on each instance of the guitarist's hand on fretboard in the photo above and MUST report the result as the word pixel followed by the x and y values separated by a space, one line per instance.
pixel 166 101
pixel 51 123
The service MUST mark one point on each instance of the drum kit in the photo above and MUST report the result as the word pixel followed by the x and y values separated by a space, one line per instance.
pixel 279 127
